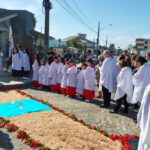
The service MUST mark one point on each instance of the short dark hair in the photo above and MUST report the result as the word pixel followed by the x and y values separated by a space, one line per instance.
pixel 141 60
pixel 71 61
pixel 90 61
pixel 55 57
pixel 123 63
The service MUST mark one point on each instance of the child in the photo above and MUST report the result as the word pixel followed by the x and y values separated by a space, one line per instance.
pixel 59 73
pixel 41 74
pixel 89 85
pixel 80 80
pixel 64 76
pixel 46 80
pixel 36 66
pixel 53 74
pixel 71 79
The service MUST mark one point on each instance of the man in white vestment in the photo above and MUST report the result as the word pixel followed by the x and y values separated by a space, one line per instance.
pixel 109 74
pixel 143 120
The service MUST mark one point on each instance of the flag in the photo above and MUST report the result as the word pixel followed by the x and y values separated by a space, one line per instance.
pixel 11 42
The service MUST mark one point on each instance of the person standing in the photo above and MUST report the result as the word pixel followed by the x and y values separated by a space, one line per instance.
pixel 26 63
pixel 16 66
pixel 109 72
pixel 21 53
pixel 124 87
pixel 143 120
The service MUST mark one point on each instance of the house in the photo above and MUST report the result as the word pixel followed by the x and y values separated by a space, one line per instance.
pixel 57 43
pixel 22 23
pixel 142 44
pixel 80 40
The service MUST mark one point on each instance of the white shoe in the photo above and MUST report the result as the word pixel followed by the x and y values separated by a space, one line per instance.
pixel 87 100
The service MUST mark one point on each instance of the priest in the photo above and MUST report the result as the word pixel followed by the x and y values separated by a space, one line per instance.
pixel 143 120
pixel 109 72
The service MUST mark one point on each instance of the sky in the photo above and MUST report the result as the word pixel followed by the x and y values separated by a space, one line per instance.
pixel 130 19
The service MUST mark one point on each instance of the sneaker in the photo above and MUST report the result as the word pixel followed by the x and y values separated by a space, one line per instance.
pixel 87 100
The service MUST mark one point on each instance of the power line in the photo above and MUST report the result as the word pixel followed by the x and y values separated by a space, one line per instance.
pixel 82 13
pixel 73 13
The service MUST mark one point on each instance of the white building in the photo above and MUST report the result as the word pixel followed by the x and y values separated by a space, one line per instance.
pixel 142 44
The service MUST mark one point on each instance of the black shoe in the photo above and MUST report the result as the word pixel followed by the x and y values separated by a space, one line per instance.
pixel 114 111
pixel 124 111
pixel 135 120
pixel 104 106
pixel 135 106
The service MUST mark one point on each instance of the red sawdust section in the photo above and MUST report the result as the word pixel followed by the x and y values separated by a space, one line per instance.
pixel 59 132
pixel 8 96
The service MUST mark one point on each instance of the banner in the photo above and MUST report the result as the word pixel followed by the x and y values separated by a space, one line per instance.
pixel 11 42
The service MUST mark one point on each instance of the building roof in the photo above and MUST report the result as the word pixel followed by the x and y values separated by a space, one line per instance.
pixel 37 33
pixel 70 38
pixel 8 16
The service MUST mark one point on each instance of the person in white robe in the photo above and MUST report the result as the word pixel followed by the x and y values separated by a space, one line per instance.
pixel 36 66
pixel 16 66
pixel 143 120
pixel 26 64
pixel 41 74
pixel 60 74
pixel 90 83
pixel 148 57
pixel 140 79
pixel 64 77
pixel 108 80
pixel 53 74
pixel 124 91
pixel 71 79
pixel 21 53
pixel 80 80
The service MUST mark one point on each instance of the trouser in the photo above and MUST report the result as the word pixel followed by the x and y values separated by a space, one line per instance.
pixel 106 96
pixel 119 102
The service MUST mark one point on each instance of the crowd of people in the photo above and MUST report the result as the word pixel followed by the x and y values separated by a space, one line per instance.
pixel 20 62
pixel 128 78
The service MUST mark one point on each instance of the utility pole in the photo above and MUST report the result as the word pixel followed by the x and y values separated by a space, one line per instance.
pixel 106 40
pixel 98 35
pixel 48 6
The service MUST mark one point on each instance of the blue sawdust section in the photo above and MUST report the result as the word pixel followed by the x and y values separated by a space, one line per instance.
pixel 19 107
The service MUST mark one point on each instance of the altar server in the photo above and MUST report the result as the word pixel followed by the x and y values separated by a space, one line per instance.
pixel 59 73
pixel 16 66
pixel 71 79
pixel 53 74
pixel 36 66
pixel 26 63
pixel 41 74
pixel 46 79
pixel 64 77
pixel 109 72
pixel 89 85
pixel 80 80
pixel 140 79
pixel 124 87
pixel 143 120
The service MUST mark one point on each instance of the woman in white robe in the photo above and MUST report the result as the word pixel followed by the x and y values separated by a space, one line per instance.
pixel 26 64
pixel 53 74
pixel 124 87
pixel 36 66
pixel 16 66
pixel 59 74
pixel 89 85
pixel 64 77
pixel 143 120
pixel 140 79
pixel 80 80
pixel 71 79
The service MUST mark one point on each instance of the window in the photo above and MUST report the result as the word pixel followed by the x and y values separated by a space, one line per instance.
pixel 146 42
pixel 145 47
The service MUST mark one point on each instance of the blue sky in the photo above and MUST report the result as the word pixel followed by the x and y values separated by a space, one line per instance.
pixel 129 18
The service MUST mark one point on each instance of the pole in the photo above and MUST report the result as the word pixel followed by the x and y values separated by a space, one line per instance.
pixel 106 40
pixel 98 35
pixel 48 6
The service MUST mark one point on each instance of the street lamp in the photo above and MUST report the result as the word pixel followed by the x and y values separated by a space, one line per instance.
pixel 99 31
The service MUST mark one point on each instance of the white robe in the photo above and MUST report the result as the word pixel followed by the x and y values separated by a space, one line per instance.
pixel 71 76
pixel 143 119
pixel 64 78
pixel 109 72
pixel 35 70
pixel 59 72
pixel 80 82
pixel 46 79
pixel 16 62
pixel 124 84
pixel 89 78
pixel 41 74
pixel 53 73
pixel 140 80
pixel 26 62
pixel 21 57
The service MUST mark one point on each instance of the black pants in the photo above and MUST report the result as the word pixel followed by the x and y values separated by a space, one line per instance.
pixel 106 96
pixel 119 102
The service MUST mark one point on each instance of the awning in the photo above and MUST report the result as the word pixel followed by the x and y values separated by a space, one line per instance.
pixel 7 17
